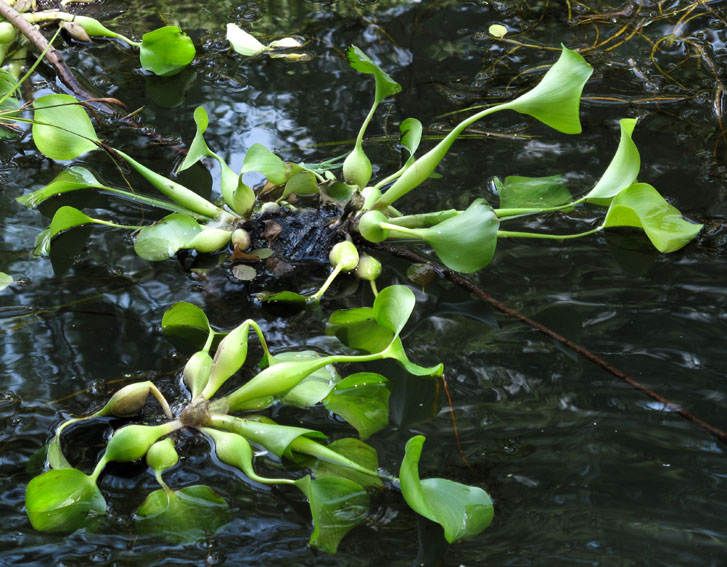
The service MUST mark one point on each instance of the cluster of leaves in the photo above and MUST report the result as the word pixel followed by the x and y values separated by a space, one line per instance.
pixel 343 472
pixel 464 240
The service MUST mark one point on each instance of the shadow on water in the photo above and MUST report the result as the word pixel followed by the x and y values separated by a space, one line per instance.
pixel 583 470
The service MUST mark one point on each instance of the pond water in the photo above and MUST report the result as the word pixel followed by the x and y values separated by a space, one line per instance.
pixel 583 469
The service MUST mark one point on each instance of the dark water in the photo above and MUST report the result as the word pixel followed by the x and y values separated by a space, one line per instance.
pixel 584 470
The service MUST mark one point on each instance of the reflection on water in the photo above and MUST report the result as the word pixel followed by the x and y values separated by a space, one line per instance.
pixel 583 469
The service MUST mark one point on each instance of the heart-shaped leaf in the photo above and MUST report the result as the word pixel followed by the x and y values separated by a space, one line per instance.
pixel 301 182
pixel 283 297
pixel 165 238
pixel 182 516
pixel 186 320
pixel 532 192
pixel 642 206
pixel 555 100
pixel 166 51
pixel 66 218
pixel 363 401
pixel 337 505
pixel 463 511
pixel 393 307
pixel 63 500
pixel 71 179
pixel 260 159
pixel 359 329
pixel 465 243
pixel 62 130
pixel 623 169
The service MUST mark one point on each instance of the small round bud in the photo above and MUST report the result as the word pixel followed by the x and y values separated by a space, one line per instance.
pixel 162 455
pixel 369 268
pixel 269 208
pixel 131 443
pixel 7 32
pixel 344 254
pixel 240 239
pixel 369 227
pixel 76 31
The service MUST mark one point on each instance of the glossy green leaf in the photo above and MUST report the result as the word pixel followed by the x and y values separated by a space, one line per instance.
pixel 532 192
pixel 242 42
pixel 165 238
pixel 411 136
pixel 182 516
pixel 260 159
pixel 385 85
pixel 555 100
pixel 282 297
pixel 465 243
pixel 363 401
pixel 641 206
pixel 393 307
pixel 314 387
pixel 337 505
pixel 62 130
pixel 358 452
pixel 397 352
pixel 63 500
pixel 66 218
pixel 359 329
pixel 55 456
pixel 5 280
pixel 185 319
pixel 463 511
pixel 623 169
pixel 301 182
pixel 166 51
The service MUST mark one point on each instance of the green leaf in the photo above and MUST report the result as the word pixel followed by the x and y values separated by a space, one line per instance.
pixel 5 280
pixel 363 401
pixel 282 297
pixel 260 159
pixel 166 51
pixel 63 500
pixel 641 206
pixel 301 182
pixel 337 505
pixel 393 307
pixel 165 238
pixel 411 136
pixel 56 458
pixel 198 149
pixel 62 130
pixel 66 218
pixel 182 516
pixel 243 42
pixel 463 511
pixel 555 100
pixel 186 320
pixel 358 328
pixel 397 352
pixel 385 85
pixel 532 192
pixel 356 451
pixel 623 169
pixel 314 387
pixel 466 242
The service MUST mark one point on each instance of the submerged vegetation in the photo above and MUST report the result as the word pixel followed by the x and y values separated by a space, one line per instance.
pixel 337 478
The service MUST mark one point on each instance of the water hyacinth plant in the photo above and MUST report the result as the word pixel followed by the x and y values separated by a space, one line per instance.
pixel 464 240
pixel 341 473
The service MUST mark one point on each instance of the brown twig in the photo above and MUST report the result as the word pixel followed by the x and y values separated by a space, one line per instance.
pixel 463 282
pixel 52 56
